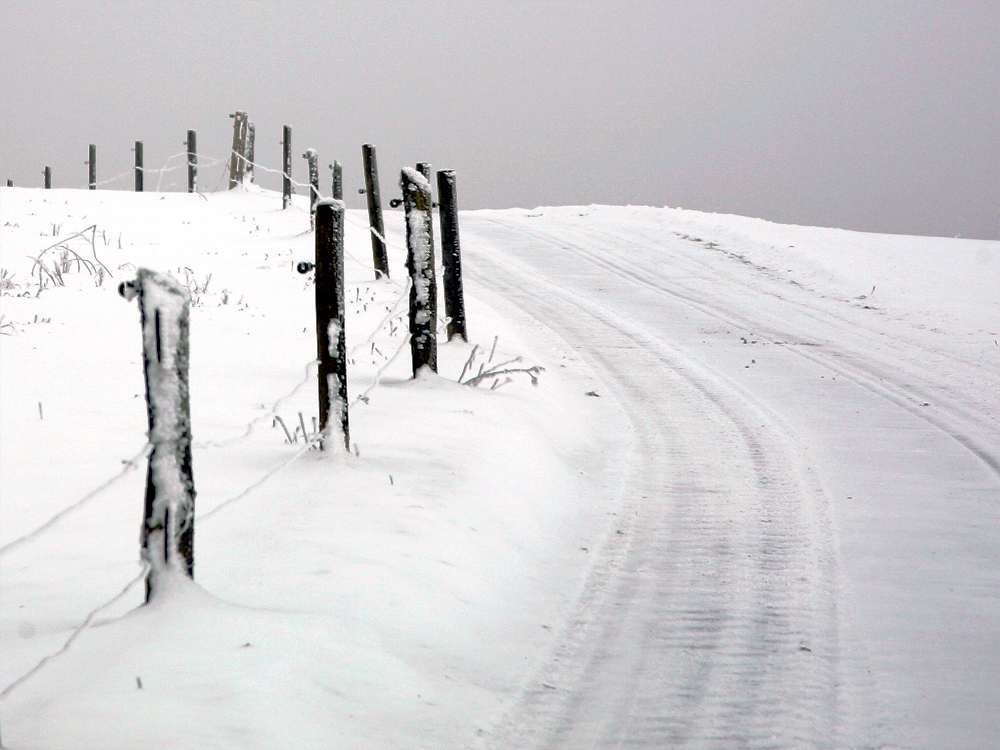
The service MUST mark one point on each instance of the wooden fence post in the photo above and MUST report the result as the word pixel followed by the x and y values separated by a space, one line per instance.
pixel 451 256
pixel 286 167
pixel 192 161
pixel 48 177
pixel 237 159
pixel 10 183
pixel 337 188
pixel 313 160
pixel 330 310
pixel 168 523
pixel 379 253
pixel 420 265
pixel 424 167
pixel 251 138
pixel 138 167
pixel 92 168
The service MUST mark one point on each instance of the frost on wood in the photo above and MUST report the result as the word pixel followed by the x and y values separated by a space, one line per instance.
pixel 420 264
pixel 168 530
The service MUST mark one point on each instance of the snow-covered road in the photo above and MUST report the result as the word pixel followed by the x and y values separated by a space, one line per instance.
pixel 807 550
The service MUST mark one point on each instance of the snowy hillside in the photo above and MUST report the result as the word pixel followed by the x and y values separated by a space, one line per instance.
pixel 753 500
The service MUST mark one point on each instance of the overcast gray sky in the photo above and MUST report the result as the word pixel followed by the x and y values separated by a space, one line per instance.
pixel 864 114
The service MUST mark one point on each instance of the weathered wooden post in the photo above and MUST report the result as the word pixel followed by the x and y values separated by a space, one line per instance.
pixel 337 188
pixel 251 138
pixel 424 167
pixel 48 177
pixel 138 166
pixel 237 158
pixel 286 167
pixel 10 183
pixel 313 160
pixel 92 168
pixel 330 310
pixel 451 257
pixel 420 265
pixel 167 534
pixel 379 253
pixel 192 161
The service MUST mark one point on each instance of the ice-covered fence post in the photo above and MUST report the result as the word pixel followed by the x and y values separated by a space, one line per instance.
pixel 313 159
pixel 451 256
pixel 237 159
pixel 286 166
pixel 138 166
pixel 192 151
pixel 330 308
pixel 251 138
pixel 167 534
pixel 92 168
pixel 420 265
pixel 424 167
pixel 48 177
pixel 379 252
pixel 337 188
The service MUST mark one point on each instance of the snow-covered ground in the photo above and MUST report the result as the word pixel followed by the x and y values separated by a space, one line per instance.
pixel 753 500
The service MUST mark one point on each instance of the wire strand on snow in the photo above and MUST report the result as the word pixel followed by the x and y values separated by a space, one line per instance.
pixel 130 466
pixel 393 312
pixel 69 642
pixel 271 413
pixel 378 376
pixel 277 469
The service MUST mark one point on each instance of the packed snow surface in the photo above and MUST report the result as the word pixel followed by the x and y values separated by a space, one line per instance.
pixel 753 500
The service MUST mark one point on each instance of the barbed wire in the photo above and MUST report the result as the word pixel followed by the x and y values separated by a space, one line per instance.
pixel 130 466
pixel 76 632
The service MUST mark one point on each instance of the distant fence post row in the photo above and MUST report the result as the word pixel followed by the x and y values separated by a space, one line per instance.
pixel 168 522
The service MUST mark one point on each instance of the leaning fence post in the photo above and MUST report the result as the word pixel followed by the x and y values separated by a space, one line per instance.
pixel 192 161
pixel 451 256
pixel 138 166
pixel 313 159
pixel 286 167
pixel 92 168
pixel 48 177
pixel 237 159
pixel 330 309
pixel 337 188
pixel 167 534
pixel 251 138
pixel 420 265
pixel 379 252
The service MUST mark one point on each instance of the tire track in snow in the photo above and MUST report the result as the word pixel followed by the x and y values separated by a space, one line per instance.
pixel 961 423
pixel 712 620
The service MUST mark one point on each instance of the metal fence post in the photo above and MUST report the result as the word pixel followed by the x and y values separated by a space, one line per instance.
pixel 168 523
pixel 451 256
pixel 192 161
pixel 138 167
pixel 330 310
pixel 420 264
pixel 379 253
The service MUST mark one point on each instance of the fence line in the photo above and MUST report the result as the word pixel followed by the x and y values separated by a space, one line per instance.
pixel 130 466
pixel 83 626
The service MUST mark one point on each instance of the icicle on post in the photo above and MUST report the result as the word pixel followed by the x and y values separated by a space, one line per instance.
pixel 167 535
pixel 451 256
pixel 330 310
pixel 420 265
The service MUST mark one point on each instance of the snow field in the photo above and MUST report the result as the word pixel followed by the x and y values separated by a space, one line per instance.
pixel 390 596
